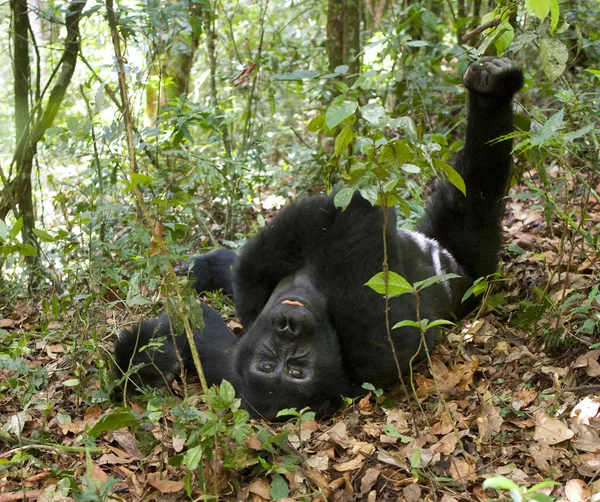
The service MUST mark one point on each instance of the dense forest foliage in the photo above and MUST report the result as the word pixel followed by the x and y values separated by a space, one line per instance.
pixel 138 134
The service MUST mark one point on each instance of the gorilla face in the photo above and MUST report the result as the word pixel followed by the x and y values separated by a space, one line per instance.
pixel 290 355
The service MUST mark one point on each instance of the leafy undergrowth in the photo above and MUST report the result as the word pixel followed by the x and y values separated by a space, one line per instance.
pixel 515 391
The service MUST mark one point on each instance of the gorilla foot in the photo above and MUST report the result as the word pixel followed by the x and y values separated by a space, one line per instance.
pixel 494 75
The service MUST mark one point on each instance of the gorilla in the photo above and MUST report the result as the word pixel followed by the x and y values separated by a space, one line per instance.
pixel 314 331
pixel 211 271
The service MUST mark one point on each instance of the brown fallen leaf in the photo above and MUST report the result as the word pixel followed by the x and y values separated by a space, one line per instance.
pixel 164 485
pixel 350 465
pixel 260 487
pixel 369 479
pixel 549 429
pixel 412 493
pixel 577 490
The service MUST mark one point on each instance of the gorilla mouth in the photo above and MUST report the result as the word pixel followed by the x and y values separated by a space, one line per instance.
pixel 294 303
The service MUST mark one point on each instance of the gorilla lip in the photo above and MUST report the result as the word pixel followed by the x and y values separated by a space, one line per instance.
pixel 294 303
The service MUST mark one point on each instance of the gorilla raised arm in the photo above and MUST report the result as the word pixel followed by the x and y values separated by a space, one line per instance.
pixel 314 330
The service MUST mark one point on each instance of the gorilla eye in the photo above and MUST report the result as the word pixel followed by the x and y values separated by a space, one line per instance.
pixel 267 367
pixel 296 373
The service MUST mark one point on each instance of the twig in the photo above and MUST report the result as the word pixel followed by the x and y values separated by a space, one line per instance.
pixel 583 389
pixel 490 24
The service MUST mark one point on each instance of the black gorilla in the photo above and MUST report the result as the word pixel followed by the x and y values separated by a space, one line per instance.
pixel 314 331
pixel 211 271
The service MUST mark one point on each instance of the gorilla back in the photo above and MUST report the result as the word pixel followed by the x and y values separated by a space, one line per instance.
pixel 314 330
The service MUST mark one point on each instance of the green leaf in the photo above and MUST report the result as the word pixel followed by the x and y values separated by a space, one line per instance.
pixel 341 69
pixel 73 124
pixel 554 55
pixel 72 382
pixel 500 483
pixel 193 457
pixel 505 36
pixel 141 179
pixel 554 14
pixel 396 284
pixel 343 139
pixel 407 323
pixel 279 488
pixel 227 392
pixel 316 124
pixel 452 174
pixel 113 421
pixel 343 197
pixel 3 231
pixel 240 417
pixel 297 75
pixel 571 136
pixel 540 8
pixel 16 228
pixel 337 113
pixel 549 129
pixel 372 113
pixel 27 250
pixel 435 279
pixel 593 72
pixel 43 235
pixel 439 322
pixel 415 458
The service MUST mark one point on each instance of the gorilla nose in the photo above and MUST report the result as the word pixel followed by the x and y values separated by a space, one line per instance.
pixel 291 321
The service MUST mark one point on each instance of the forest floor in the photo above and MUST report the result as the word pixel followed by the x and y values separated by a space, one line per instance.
pixel 515 391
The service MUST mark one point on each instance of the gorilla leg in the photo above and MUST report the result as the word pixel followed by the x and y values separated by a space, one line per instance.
pixel 469 227
pixel 150 349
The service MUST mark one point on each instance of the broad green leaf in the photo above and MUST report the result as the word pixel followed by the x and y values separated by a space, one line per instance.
pixel 193 457
pixel 341 69
pixel 72 382
pixel 3 231
pixel 505 36
pixel 227 391
pixel 297 75
pixel 343 197
pixel 396 284
pixel 342 140
pixel 410 168
pixel 372 112
pixel 540 8
pixel 241 417
pixel 317 123
pixel 452 174
pixel 594 72
pixel 112 421
pixel 16 228
pixel 141 179
pixel 27 250
pixel 554 55
pixel 279 488
pixel 337 113
pixel 73 124
pixel 521 40
pixel 403 151
pixel 43 235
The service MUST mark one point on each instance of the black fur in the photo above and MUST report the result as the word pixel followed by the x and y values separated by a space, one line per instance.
pixel 211 271
pixel 314 331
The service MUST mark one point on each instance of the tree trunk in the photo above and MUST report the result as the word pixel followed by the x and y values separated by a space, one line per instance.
pixel 343 35
pixel 18 191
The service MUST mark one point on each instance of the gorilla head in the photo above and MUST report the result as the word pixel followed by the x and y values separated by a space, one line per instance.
pixel 291 354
